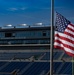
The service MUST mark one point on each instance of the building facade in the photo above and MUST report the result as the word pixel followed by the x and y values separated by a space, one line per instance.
pixel 26 51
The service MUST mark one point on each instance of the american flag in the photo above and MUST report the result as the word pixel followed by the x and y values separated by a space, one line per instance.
pixel 64 35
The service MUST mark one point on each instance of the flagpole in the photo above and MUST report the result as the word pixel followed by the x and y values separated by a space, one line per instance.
pixel 52 35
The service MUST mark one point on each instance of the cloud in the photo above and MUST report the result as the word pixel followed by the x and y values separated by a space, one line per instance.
pixel 12 9
pixel 16 9
pixel 23 8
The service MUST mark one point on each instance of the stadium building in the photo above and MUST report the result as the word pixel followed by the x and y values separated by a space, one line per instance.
pixel 26 51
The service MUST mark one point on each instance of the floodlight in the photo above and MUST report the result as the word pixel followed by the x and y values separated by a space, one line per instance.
pixel 23 24
pixel 38 24
pixel 9 25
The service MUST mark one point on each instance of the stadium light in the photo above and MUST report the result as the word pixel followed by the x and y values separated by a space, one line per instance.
pixel 22 24
pixel 9 25
pixel 38 24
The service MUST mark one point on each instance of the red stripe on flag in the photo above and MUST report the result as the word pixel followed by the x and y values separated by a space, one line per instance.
pixel 68 28
pixel 64 38
pixel 70 54
pixel 72 25
pixel 55 46
pixel 65 45
pixel 67 33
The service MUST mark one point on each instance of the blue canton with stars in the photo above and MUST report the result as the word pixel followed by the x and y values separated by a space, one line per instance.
pixel 61 23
